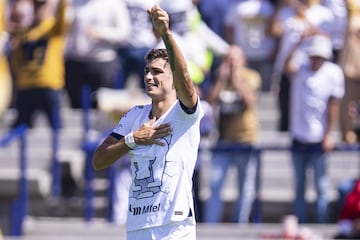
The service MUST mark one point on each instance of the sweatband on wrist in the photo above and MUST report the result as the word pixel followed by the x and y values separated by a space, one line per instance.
pixel 130 141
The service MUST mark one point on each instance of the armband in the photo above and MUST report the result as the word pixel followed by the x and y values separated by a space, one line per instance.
pixel 130 141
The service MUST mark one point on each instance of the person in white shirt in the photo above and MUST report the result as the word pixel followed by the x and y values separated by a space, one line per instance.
pixel 142 39
pixel 316 91
pixel 338 8
pixel 98 29
pixel 162 139
pixel 247 25
pixel 299 17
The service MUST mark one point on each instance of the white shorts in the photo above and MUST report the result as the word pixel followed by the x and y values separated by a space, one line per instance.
pixel 184 230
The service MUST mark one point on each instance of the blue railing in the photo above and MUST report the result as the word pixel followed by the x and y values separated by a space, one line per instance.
pixel 89 146
pixel 19 206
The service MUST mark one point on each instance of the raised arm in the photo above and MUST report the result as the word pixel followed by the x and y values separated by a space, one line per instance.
pixel 185 89
pixel 289 66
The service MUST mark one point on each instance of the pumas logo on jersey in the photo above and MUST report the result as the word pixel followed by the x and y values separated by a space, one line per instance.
pixel 144 209
pixel 145 187
pixel 147 181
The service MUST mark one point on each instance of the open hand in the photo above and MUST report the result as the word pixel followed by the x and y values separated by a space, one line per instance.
pixel 149 134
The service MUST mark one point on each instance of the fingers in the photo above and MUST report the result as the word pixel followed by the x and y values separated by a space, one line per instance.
pixel 151 121
pixel 160 143
pixel 151 11
pixel 162 130
pixel 157 12
pixel 162 126
pixel 149 134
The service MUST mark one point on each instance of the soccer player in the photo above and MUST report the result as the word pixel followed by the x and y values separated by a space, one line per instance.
pixel 162 139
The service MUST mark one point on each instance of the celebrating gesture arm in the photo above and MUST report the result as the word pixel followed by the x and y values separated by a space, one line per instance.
pixel 185 89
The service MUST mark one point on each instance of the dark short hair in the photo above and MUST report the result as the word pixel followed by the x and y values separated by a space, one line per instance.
pixel 157 53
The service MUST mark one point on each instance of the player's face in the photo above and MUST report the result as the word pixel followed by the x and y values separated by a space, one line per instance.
pixel 158 78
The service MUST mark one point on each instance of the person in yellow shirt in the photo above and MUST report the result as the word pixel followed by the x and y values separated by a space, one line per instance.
pixel 5 79
pixel 38 65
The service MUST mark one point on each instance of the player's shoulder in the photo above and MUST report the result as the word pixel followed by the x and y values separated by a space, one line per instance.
pixel 137 109
pixel 141 107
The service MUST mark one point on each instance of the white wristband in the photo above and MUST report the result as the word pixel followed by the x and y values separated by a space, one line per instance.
pixel 130 141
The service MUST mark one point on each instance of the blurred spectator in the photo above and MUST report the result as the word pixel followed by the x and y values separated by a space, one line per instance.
pixel 292 20
pixel 179 14
pixel 213 13
pixel 350 63
pixel 198 42
pixel 292 230
pixel 235 94
pixel 338 9
pixel 316 89
pixel 21 15
pixel 37 63
pixel 5 79
pixel 141 40
pixel 248 25
pixel 98 28
pixel 344 188
pixel 349 219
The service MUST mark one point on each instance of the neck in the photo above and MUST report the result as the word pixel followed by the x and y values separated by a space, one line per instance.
pixel 159 108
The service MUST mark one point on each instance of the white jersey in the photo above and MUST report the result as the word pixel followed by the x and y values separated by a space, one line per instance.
pixel 161 190
pixel 309 103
